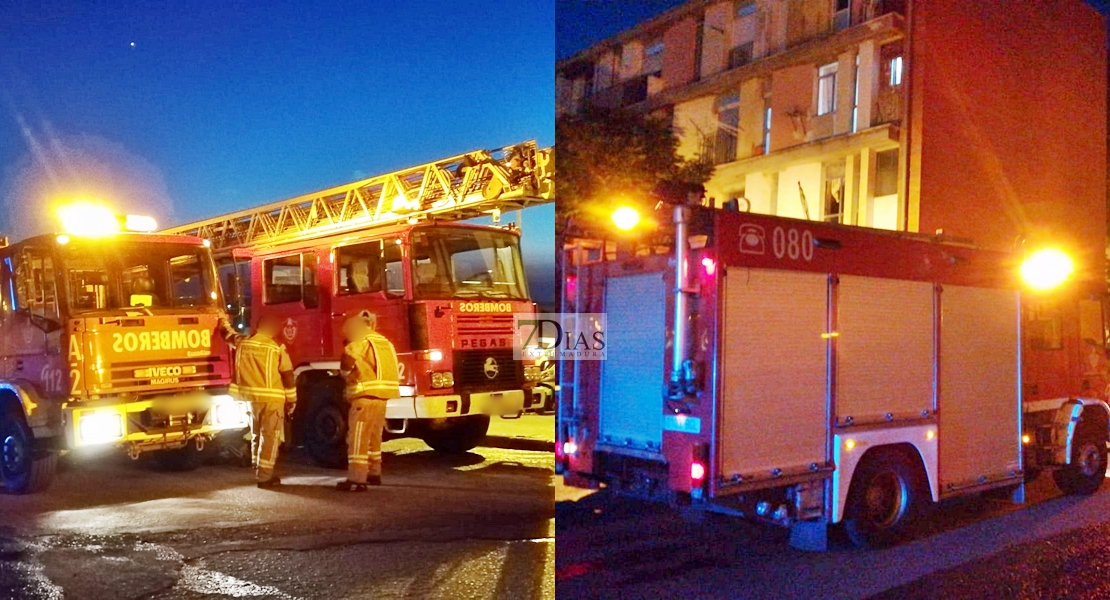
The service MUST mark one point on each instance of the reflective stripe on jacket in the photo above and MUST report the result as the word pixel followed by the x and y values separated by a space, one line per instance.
pixel 373 372
pixel 259 363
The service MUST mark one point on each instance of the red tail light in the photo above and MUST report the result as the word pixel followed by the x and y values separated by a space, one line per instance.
pixel 697 471
pixel 710 266
pixel 570 448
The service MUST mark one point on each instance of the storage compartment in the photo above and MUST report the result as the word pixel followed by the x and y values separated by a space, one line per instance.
pixel 774 373
pixel 631 411
pixel 980 398
pixel 884 349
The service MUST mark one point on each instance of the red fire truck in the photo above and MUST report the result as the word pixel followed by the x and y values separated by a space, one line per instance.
pixel 444 292
pixel 106 340
pixel 815 374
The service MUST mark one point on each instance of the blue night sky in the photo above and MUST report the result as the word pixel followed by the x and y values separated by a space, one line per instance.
pixel 223 105
pixel 580 24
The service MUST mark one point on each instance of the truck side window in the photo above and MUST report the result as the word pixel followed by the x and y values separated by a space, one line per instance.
pixel 394 263
pixel 36 288
pixel 290 279
pixel 282 278
pixel 309 292
pixel 361 269
pixel 1045 327
pixel 1090 323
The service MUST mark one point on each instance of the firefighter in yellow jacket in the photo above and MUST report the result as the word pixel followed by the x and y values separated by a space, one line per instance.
pixel 369 365
pixel 264 377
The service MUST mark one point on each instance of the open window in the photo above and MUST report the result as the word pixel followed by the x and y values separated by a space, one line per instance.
pixel 291 279
pixel 361 269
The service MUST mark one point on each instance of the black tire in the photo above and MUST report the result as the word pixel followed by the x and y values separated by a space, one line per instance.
pixel 886 495
pixel 459 434
pixel 23 469
pixel 1087 471
pixel 325 432
pixel 185 458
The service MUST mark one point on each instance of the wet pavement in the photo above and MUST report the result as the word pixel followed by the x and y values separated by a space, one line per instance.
pixel 977 547
pixel 477 525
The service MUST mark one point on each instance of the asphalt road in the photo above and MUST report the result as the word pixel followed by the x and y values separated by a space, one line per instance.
pixel 1051 547
pixel 477 525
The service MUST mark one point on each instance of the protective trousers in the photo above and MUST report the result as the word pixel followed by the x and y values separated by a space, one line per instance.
pixel 267 431
pixel 364 439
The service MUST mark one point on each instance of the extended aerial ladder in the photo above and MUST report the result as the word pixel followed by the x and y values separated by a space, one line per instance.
pixel 474 184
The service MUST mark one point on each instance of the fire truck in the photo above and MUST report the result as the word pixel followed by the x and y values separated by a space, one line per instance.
pixel 811 374
pixel 444 292
pixel 107 340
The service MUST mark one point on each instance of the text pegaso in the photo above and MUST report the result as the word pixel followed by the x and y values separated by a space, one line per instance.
pixel 161 340
pixel 786 242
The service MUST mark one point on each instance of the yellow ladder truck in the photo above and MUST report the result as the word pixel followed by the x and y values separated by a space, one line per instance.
pixel 444 291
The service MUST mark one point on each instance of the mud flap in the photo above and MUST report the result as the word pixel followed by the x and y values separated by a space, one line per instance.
pixel 811 536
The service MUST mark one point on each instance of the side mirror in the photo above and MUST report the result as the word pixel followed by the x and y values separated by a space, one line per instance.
pixel 46 324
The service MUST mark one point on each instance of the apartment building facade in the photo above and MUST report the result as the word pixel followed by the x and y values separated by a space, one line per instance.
pixel 986 120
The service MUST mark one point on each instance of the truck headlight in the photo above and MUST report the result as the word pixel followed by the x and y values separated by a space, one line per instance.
pixel 228 411
pixel 444 379
pixel 532 373
pixel 100 427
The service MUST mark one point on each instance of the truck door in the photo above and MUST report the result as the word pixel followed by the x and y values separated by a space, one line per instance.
pixel 370 276
pixel 33 332
pixel 290 291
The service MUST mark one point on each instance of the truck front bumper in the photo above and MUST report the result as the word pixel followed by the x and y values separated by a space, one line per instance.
pixel 507 403
pixel 152 423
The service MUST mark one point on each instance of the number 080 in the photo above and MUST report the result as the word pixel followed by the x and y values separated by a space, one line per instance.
pixel 792 244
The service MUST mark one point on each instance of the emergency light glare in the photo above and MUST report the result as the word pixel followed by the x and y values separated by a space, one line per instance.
pixel 849 445
pixel 1046 269
pixel 141 223
pixel 435 355
pixel 88 219
pixel 63 239
pixel 570 448
pixel 625 218
pixel 697 471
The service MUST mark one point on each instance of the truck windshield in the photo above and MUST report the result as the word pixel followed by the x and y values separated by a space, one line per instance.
pixel 457 262
pixel 116 275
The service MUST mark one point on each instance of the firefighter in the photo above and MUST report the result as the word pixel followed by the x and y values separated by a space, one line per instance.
pixel 263 377
pixel 369 365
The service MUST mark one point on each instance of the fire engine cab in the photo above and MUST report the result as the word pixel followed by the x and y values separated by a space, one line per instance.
pixel 107 341
pixel 811 374
pixel 444 291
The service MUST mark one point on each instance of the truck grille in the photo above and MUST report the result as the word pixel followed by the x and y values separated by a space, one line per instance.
pixel 485 324
pixel 155 373
pixel 474 367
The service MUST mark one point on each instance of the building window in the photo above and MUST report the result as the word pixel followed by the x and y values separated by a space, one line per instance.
pixel 653 58
pixel 833 209
pixel 886 172
pixel 842 14
pixel 767 128
pixel 740 55
pixel 855 98
pixel 826 89
pixel 896 71
pixel 746 8
pixel 728 128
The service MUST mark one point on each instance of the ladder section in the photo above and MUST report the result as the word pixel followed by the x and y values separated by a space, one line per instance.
pixel 460 187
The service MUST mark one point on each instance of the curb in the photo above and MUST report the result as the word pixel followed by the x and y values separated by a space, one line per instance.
pixel 518 443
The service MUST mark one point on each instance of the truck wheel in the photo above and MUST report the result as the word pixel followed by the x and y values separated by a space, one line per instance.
pixel 1085 474
pixel 458 434
pixel 185 458
pixel 326 434
pixel 23 470
pixel 884 498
